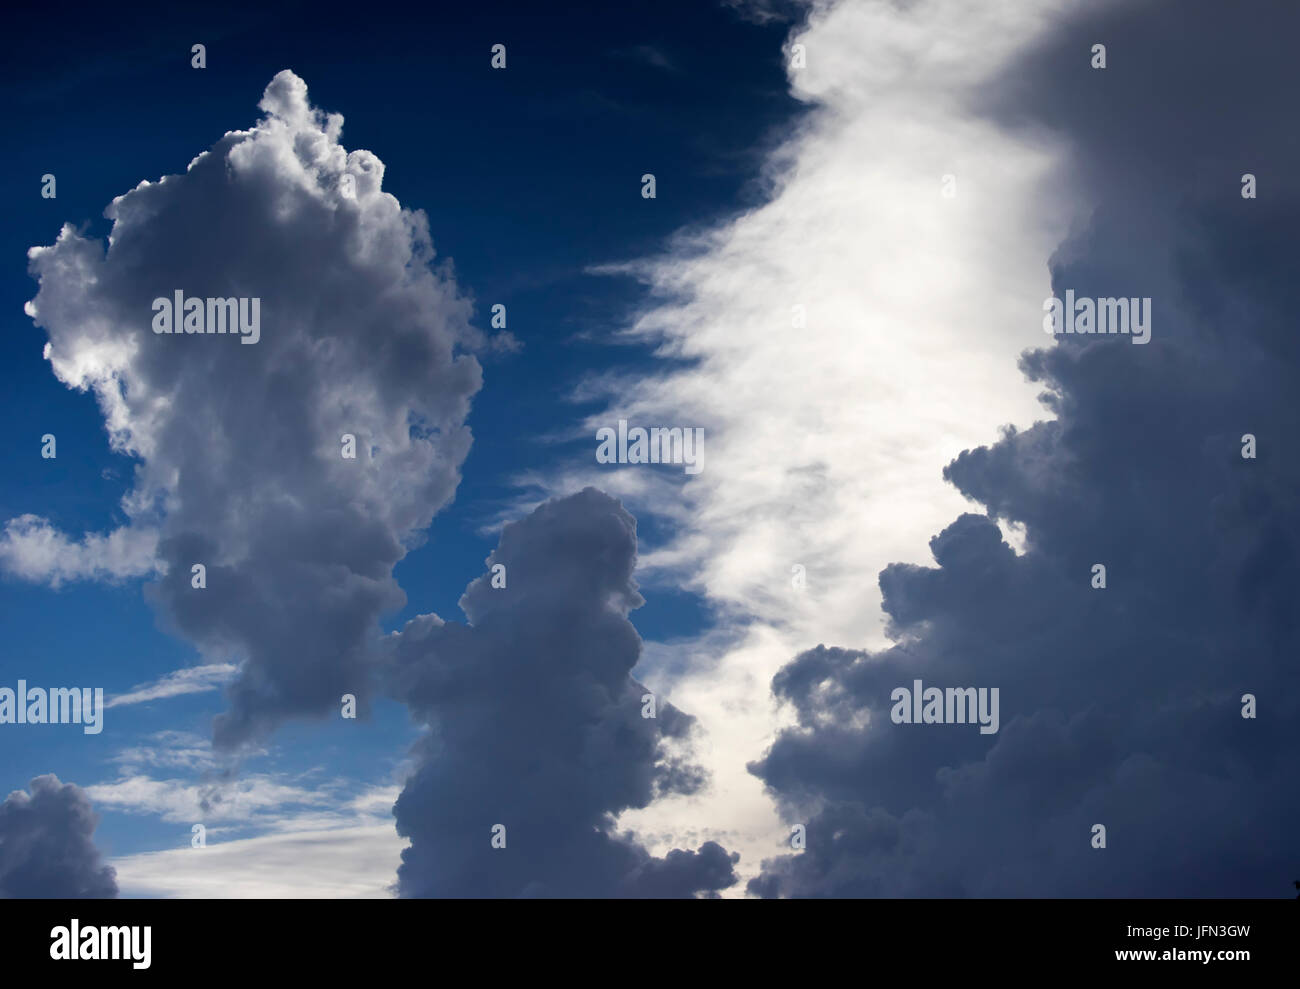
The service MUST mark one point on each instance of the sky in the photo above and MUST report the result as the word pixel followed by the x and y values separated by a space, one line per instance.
pixel 443 641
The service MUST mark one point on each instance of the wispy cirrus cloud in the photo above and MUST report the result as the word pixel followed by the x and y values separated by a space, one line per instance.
pixel 252 797
pixel 345 862
pixel 338 843
pixel 195 680
pixel 839 343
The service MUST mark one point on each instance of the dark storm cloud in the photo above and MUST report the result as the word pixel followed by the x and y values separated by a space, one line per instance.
pixel 1121 706
pixel 240 446
pixel 536 724
pixel 46 849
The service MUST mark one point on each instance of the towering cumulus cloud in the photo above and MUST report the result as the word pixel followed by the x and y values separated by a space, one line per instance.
pixel 45 844
pixel 536 726
pixel 242 450
pixel 1161 706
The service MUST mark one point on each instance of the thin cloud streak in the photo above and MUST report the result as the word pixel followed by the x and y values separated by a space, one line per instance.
pixel 195 680
pixel 840 345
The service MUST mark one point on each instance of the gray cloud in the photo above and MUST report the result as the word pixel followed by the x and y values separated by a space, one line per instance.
pixel 536 724
pixel 239 446
pixel 46 850
pixel 1120 706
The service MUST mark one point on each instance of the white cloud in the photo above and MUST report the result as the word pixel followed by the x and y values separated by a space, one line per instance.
pixel 168 748
pixel 330 863
pixel 825 444
pixel 254 797
pixel 341 843
pixel 195 680
pixel 31 548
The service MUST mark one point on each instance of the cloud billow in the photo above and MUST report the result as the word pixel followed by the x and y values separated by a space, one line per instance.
pixel 46 846
pixel 535 723
pixel 240 448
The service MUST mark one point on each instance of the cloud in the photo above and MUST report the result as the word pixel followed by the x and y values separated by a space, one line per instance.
pixel 239 447
pixel 839 343
pixel 352 862
pixel 32 549
pixel 535 724
pixel 266 835
pixel 253 797
pixel 170 748
pixel 1120 706
pixel 46 848
pixel 195 680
